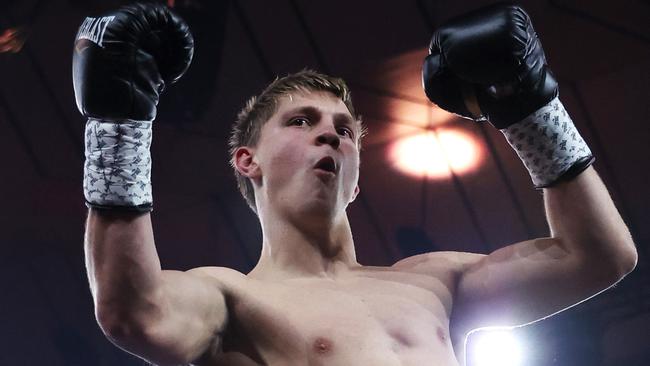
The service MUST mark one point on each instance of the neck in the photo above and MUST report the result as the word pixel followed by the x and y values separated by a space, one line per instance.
pixel 305 248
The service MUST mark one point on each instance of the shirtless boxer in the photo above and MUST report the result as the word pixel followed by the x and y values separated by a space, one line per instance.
pixel 295 150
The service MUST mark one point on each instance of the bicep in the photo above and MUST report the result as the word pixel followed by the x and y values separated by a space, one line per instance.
pixel 522 283
pixel 188 322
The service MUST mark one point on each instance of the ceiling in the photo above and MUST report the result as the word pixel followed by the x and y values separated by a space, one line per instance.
pixel 599 52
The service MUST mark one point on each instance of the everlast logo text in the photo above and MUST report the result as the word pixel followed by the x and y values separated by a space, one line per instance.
pixel 93 29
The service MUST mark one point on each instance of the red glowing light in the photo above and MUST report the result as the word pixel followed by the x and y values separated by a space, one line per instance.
pixel 12 40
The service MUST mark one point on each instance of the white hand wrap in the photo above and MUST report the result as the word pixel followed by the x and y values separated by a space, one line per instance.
pixel 117 172
pixel 547 142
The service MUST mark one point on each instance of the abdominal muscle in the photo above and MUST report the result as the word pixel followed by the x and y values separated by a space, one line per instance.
pixel 377 317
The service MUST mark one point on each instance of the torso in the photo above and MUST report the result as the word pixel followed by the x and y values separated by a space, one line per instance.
pixel 380 316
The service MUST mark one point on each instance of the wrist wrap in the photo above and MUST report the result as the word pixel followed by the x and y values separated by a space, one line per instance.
pixel 549 145
pixel 117 172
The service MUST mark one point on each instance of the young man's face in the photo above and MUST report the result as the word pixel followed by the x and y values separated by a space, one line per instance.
pixel 293 150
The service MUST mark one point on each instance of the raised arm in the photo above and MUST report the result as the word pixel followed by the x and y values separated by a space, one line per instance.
pixel 489 65
pixel 589 250
pixel 167 317
pixel 122 61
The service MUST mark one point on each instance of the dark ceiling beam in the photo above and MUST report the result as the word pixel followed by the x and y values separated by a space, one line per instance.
pixel 300 17
pixel 425 15
pixel 65 123
pixel 318 54
pixel 559 5
pixel 38 70
pixel 63 120
pixel 257 48
pixel 390 94
pixel 24 141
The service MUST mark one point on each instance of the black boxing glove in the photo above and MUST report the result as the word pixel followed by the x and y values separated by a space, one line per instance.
pixel 495 59
pixel 122 61
pixel 490 65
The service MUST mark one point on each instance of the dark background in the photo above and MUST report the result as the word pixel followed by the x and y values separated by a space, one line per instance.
pixel 599 50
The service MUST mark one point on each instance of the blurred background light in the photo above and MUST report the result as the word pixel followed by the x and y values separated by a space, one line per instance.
pixel 433 153
pixel 495 348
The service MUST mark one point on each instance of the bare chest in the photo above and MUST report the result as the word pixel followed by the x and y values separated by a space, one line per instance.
pixel 384 319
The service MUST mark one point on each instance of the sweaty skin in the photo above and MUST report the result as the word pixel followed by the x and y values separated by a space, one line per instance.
pixel 308 301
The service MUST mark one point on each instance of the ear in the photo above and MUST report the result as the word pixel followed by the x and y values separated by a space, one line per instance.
pixel 356 192
pixel 245 163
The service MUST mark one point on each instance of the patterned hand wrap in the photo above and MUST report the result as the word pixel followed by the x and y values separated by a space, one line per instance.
pixel 117 172
pixel 549 144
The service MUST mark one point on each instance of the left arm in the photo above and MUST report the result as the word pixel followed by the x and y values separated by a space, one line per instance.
pixel 495 69
pixel 589 250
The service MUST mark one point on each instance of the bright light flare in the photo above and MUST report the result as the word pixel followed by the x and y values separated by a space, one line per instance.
pixel 433 153
pixel 495 348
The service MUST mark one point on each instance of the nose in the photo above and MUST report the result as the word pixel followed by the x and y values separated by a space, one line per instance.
pixel 329 138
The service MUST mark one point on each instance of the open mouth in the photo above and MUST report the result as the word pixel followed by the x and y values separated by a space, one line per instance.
pixel 327 164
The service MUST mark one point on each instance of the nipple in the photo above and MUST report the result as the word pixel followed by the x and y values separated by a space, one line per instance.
pixel 441 335
pixel 322 345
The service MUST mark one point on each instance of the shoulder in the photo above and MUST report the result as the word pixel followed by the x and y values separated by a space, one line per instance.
pixel 214 271
pixel 436 263
pixel 223 276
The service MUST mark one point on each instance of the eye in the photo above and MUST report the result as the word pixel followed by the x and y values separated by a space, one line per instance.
pixel 298 121
pixel 345 130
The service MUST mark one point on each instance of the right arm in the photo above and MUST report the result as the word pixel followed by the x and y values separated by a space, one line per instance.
pixel 122 61
pixel 167 317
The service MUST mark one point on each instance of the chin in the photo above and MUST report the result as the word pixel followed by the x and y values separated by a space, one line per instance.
pixel 303 202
